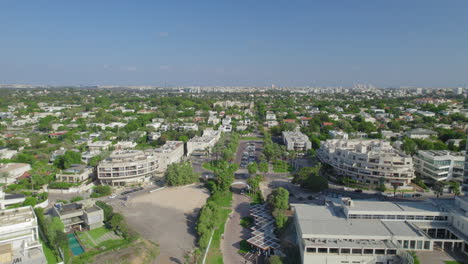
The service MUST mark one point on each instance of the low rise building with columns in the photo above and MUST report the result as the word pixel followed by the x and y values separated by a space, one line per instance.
pixel 358 232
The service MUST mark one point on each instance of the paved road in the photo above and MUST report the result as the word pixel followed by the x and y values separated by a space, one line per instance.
pixel 234 232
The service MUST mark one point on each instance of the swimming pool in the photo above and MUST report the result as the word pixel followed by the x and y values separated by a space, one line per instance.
pixel 74 245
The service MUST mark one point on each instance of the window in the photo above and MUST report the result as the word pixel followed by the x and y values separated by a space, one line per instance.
pixel 419 245
pixel 357 251
pixel 427 244
pixel 380 251
pixel 405 244
pixel 345 250
pixel 412 244
pixel 334 250
pixel 311 250
pixel 368 251
pixel 322 250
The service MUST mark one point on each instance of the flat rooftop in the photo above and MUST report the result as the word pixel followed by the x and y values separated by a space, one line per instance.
pixel 441 153
pixel 316 220
pixel 16 216
pixel 386 206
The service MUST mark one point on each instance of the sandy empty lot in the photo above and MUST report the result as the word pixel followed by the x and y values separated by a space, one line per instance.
pixel 166 217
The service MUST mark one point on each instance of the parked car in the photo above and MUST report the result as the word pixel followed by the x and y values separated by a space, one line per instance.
pixel 358 190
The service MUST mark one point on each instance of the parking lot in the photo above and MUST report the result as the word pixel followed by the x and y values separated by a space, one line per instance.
pixel 166 217
pixel 249 151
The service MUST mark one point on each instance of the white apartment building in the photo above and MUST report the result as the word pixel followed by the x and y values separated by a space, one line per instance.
pixel 420 133
pixel 439 165
pixel 189 127
pixel 125 167
pixel 295 140
pixel 270 116
pixel 171 152
pixel 19 237
pixel 203 144
pixel 358 232
pixel 335 134
pixel 99 145
pixel 367 161
pixel 76 173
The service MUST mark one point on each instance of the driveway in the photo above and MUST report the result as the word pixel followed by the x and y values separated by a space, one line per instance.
pixel 234 232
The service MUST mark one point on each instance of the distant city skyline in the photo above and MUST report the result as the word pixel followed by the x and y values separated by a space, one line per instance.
pixel 241 43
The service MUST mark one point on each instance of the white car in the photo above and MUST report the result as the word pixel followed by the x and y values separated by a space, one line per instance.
pixel 113 196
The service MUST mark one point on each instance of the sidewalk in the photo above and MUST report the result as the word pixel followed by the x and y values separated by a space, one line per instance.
pixel 234 232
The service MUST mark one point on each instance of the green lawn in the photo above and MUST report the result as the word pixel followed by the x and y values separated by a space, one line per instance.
pixel 95 234
pixel 98 232
pixel 87 243
pixel 251 138
pixel 49 254
pixel 214 255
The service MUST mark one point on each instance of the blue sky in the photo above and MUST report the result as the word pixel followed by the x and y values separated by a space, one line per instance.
pixel 235 42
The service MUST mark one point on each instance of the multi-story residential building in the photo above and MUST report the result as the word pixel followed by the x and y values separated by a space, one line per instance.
pixel 203 144
pixel 225 128
pixel 189 127
pixel 19 237
pixel 125 167
pixel 82 214
pixel 335 134
pixel 439 165
pixel 88 155
pixel 420 133
pixel 270 116
pixel 76 173
pixel 465 172
pixel 171 152
pixel 99 145
pixel 368 161
pixel 213 120
pixel 10 199
pixel 295 140
pixel 347 231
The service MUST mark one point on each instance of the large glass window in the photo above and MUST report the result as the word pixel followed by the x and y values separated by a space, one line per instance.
pixel 311 250
pixel 427 244
pixel 419 245
pixel 345 250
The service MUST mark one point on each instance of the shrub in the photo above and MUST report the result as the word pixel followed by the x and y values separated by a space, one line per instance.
pixel 100 191
pixel 76 199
